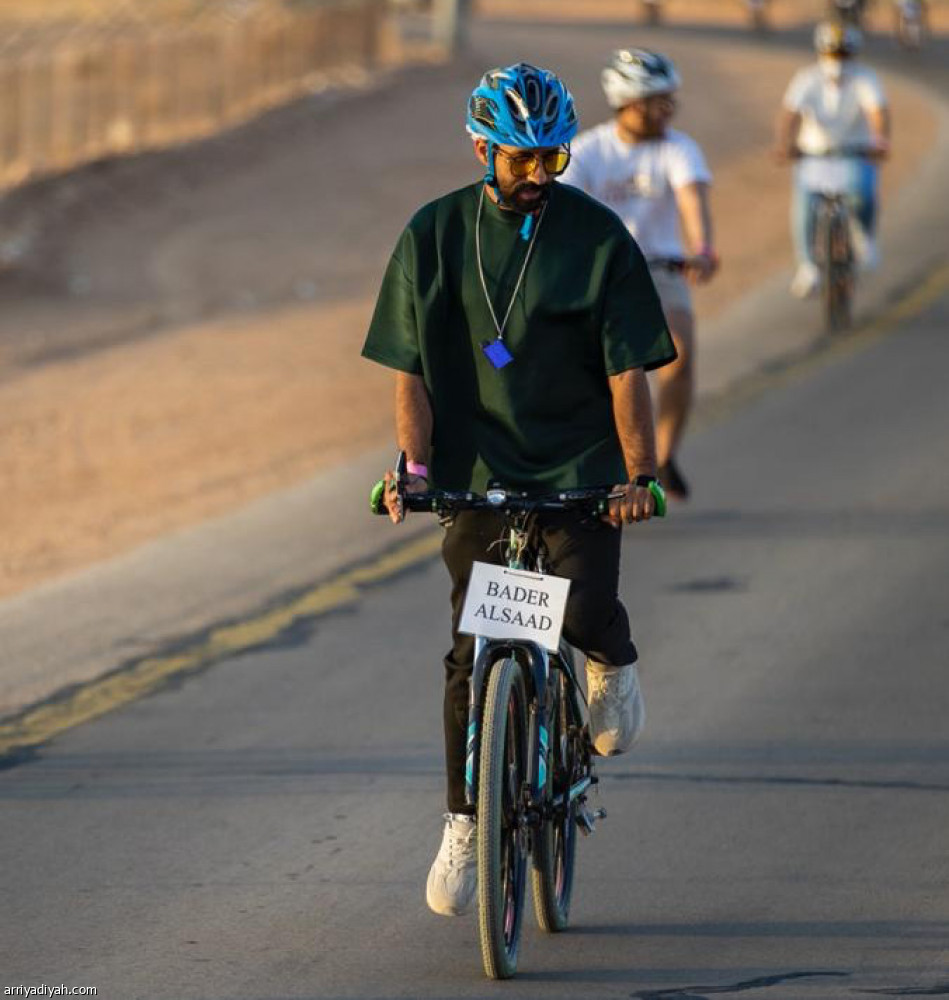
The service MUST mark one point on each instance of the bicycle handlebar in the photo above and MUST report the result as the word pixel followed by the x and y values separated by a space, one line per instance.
pixel 674 264
pixel 592 501
pixel 588 501
pixel 841 153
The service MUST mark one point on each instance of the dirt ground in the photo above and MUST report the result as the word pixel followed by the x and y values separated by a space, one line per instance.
pixel 781 13
pixel 182 334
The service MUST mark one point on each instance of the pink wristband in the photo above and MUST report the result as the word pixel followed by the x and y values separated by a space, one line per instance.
pixel 416 469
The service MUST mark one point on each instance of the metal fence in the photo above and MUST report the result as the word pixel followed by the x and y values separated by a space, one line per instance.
pixel 126 76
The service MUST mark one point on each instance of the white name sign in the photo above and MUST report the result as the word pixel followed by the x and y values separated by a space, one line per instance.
pixel 504 603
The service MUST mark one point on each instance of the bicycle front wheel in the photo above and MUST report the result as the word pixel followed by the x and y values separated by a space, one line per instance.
pixel 838 274
pixel 502 833
pixel 555 844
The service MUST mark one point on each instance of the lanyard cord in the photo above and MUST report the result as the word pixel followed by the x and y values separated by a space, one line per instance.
pixel 500 327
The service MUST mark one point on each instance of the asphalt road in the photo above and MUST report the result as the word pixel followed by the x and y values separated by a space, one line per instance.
pixel 263 829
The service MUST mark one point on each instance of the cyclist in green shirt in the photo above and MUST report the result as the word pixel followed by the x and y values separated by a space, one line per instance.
pixel 520 318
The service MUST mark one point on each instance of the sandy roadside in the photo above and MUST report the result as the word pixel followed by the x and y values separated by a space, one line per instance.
pixel 781 13
pixel 103 452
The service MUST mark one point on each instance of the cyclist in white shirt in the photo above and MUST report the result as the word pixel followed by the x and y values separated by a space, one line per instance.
pixel 910 22
pixel 834 106
pixel 656 180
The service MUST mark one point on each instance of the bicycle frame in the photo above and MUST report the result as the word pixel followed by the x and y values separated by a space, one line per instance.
pixel 831 224
pixel 537 669
pixel 536 663
pixel 533 659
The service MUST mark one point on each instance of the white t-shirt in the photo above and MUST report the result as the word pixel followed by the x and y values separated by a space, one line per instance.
pixel 638 181
pixel 833 114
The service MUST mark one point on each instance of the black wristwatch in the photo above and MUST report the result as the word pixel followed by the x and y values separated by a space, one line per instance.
pixel 644 480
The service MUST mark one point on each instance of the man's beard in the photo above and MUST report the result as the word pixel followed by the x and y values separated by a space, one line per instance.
pixel 652 128
pixel 514 198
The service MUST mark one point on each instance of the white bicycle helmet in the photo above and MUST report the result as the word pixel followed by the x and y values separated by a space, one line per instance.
pixel 635 73
pixel 834 38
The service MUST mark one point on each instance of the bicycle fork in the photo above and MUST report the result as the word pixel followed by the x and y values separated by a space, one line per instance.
pixel 487 652
pixel 535 806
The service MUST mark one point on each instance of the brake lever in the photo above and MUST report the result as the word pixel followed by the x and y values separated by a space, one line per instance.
pixel 400 464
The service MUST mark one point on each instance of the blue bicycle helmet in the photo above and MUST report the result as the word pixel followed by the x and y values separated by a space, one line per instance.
pixel 521 106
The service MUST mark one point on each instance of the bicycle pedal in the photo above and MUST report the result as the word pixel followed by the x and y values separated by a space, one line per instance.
pixel 586 821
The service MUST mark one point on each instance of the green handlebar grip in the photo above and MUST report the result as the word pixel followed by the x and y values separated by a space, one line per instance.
pixel 659 495
pixel 376 504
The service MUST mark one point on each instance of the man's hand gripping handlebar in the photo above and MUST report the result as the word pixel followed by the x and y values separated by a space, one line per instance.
pixel 397 493
pixel 388 496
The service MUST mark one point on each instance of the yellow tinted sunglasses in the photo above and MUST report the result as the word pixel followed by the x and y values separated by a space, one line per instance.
pixel 524 164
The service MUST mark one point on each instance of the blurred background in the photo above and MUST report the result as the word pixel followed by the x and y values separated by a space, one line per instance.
pixel 199 196
pixel 197 202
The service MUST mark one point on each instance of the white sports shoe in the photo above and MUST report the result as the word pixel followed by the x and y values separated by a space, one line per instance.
pixel 806 281
pixel 617 710
pixel 453 877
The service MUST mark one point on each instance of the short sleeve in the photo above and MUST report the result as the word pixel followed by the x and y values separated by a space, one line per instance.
pixel 795 96
pixel 687 163
pixel 634 330
pixel 393 338
pixel 870 90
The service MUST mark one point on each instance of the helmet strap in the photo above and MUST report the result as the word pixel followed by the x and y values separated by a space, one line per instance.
pixel 490 178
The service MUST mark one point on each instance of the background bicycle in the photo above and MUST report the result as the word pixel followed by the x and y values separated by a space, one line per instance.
pixel 910 23
pixel 837 223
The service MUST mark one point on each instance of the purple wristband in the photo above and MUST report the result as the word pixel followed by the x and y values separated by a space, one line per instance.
pixel 416 469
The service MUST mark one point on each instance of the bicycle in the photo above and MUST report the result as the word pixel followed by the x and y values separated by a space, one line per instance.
pixel 833 253
pixel 910 24
pixel 529 758
pixel 832 229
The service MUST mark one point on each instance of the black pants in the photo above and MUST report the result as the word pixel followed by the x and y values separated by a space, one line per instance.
pixel 585 552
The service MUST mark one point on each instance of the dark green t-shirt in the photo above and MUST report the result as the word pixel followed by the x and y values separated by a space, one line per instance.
pixel 587 309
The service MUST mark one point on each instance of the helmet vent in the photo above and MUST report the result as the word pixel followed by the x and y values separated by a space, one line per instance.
pixel 552 109
pixel 483 111
pixel 516 105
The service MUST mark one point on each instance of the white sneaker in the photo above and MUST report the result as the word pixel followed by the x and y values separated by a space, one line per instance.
pixel 806 282
pixel 617 711
pixel 453 877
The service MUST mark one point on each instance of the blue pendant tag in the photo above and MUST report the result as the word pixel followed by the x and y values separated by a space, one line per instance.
pixel 497 353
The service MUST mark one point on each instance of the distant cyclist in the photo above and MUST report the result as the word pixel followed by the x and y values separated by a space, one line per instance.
pixel 758 13
pixel 910 22
pixel 656 180
pixel 519 318
pixel 850 12
pixel 652 11
pixel 836 106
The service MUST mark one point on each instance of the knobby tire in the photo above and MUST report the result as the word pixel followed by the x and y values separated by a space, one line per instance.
pixel 502 843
